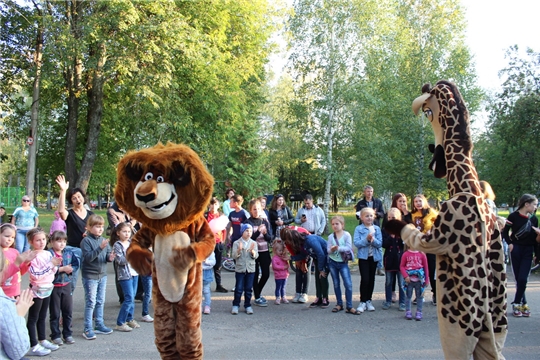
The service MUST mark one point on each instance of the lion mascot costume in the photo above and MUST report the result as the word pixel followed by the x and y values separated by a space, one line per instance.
pixel 471 280
pixel 167 189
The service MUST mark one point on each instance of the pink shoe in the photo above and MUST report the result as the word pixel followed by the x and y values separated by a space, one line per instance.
pixel 277 302
pixel 284 300
pixel 206 310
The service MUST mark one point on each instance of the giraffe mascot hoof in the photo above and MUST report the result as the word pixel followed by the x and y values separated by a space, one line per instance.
pixel 471 280
pixel 167 189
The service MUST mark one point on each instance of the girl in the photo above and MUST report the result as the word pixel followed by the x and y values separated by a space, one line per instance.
pixel 280 265
pixel 11 280
pixel 42 270
pixel 423 218
pixel 522 234
pixel 261 234
pixel 127 277
pixel 279 215
pixel 58 224
pixel 393 249
pixel 314 246
pixel 24 217
pixel 368 240
pixel 213 213
pixel 302 277
pixel 399 201
pixel 61 304
pixel 339 245
pixel 208 277
pixel 244 252
pixel 414 270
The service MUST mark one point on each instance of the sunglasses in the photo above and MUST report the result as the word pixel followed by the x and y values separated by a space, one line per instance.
pixel 26 200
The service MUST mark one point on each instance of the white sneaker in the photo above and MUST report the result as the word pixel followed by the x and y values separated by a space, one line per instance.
pixel 296 298
pixel 303 299
pixel 369 306
pixel 234 310
pixel 48 345
pixel 249 310
pixel 147 318
pixel 361 307
pixel 38 350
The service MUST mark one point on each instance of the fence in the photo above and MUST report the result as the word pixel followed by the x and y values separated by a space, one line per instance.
pixel 11 196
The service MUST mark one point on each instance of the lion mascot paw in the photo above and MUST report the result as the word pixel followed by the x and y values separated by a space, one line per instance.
pixel 167 189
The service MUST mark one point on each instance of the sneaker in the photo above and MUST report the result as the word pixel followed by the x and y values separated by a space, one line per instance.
pixel 57 341
pixel 386 305
pixel 408 315
pixel 261 302
pixel 123 328
pixel 325 303
pixel 361 307
pixel 234 310
pixel 221 289
pixel 516 310
pixel 380 272
pixel 278 301
pixel 49 345
pixel 317 302
pixel 402 307
pixel 434 302
pixel 303 299
pixel 296 298
pixel 38 350
pixel 147 318
pixel 89 335
pixel 102 329
pixel 525 311
pixel 206 310
pixel 418 316
pixel 249 310
pixel 370 306
pixel 394 297
pixel 133 324
pixel 69 340
pixel 284 300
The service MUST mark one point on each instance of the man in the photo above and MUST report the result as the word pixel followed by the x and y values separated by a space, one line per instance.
pixel 311 217
pixel 376 205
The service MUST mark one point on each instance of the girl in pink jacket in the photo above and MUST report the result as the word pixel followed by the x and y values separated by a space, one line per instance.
pixel 280 265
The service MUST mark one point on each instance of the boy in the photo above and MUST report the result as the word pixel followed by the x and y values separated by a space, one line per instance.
pixel 237 216
pixel 244 252
pixel 61 304
pixel 96 252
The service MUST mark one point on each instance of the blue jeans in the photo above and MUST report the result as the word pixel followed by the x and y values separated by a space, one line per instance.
pixel 337 269
pixel 281 285
pixel 207 293
pixel 77 252
pixel 244 284
pixel 129 287
pixel 390 280
pixel 417 287
pixel 147 288
pixel 21 242
pixel 94 297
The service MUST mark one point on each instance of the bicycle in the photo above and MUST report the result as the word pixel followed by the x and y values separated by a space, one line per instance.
pixel 228 264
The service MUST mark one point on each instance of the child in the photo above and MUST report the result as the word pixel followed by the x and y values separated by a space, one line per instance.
pixel 61 304
pixel 280 265
pixel 127 277
pixel 58 224
pixel 237 216
pixel 393 246
pixel 96 252
pixel 244 252
pixel 368 240
pixel 340 243
pixel 41 270
pixel 414 268
pixel 208 277
pixel 11 281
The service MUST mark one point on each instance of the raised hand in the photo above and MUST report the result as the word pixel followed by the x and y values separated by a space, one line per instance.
pixel 61 181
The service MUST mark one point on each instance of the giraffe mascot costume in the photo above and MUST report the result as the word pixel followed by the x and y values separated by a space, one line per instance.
pixel 471 281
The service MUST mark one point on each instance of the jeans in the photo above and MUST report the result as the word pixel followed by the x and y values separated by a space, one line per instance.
pixel 129 287
pixel 147 296
pixel 21 242
pixel 337 269
pixel 367 278
pixel 281 284
pixel 302 279
pixel 244 284
pixel 522 256
pixel 61 306
pixel 207 293
pixel 37 317
pixel 94 297
pixel 77 252
pixel 389 285
pixel 415 286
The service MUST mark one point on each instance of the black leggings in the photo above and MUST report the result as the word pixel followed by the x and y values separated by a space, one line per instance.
pixel 263 261
pixel 37 316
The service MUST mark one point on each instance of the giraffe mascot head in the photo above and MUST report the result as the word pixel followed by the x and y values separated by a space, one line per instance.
pixel 471 279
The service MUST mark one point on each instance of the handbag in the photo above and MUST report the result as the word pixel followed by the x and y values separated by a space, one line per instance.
pixel 345 256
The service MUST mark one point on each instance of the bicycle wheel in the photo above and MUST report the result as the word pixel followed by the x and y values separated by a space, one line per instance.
pixel 228 264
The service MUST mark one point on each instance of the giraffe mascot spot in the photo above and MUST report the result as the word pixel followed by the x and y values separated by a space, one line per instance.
pixel 471 280
pixel 167 188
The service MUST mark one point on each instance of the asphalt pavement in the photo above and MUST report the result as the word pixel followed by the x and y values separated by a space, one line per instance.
pixel 295 331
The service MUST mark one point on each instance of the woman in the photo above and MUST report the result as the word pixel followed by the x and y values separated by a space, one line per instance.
pixel 423 218
pixel 229 193
pixel 213 213
pixel 522 235
pixel 261 235
pixel 304 246
pixel 279 215
pixel 24 218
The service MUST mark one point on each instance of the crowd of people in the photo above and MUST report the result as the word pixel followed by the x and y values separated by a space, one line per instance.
pixel 258 239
